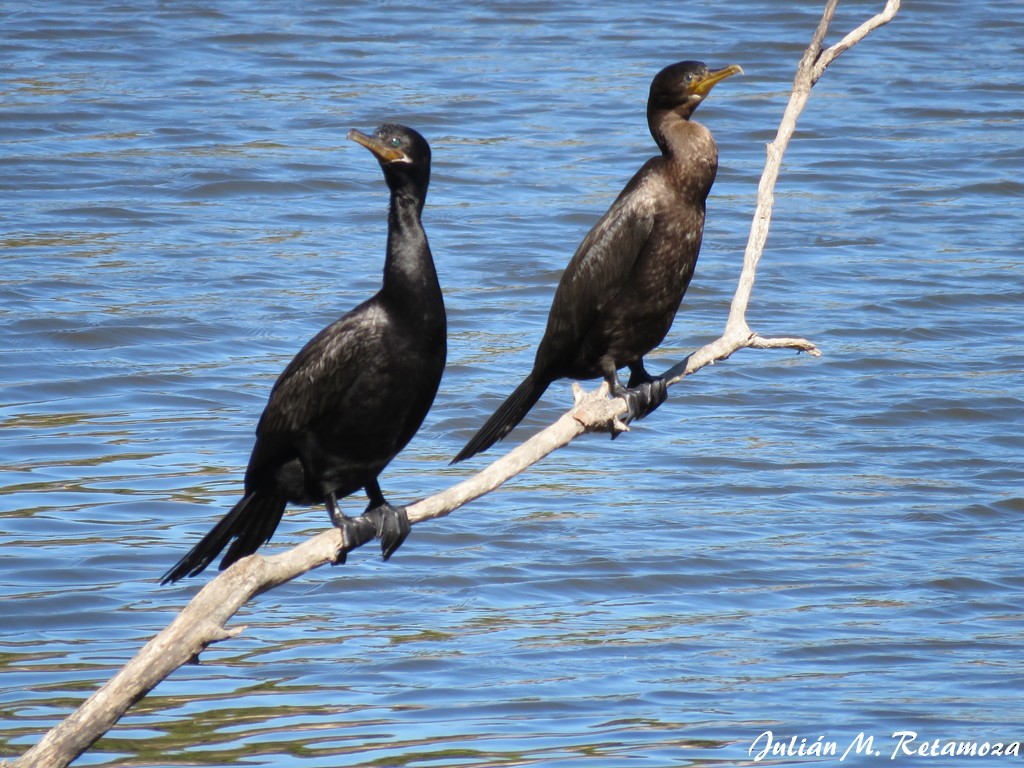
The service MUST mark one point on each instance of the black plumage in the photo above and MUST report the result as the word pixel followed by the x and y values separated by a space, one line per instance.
pixel 620 292
pixel 356 393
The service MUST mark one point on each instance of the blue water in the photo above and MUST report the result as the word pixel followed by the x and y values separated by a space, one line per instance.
pixel 813 547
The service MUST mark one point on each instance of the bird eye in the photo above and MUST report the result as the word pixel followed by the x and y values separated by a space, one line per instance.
pixel 395 141
pixel 688 79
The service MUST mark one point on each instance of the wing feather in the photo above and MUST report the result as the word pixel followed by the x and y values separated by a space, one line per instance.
pixel 312 384
pixel 600 267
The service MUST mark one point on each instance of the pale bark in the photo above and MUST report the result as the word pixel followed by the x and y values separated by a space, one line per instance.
pixel 203 621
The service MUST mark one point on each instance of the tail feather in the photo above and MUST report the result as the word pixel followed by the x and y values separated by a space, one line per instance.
pixel 251 523
pixel 504 420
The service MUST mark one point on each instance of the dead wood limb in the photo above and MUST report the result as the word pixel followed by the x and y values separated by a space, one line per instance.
pixel 203 621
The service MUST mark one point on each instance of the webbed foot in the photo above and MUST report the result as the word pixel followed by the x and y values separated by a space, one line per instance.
pixel 355 531
pixel 650 395
pixel 642 399
pixel 390 525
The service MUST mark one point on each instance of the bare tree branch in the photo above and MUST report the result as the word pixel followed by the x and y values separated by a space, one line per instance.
pixel 887 14
pixel 203 621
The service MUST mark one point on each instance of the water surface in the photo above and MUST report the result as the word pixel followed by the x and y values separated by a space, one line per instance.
pixel 812 547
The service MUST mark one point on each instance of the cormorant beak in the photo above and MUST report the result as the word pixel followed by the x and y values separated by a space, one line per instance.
pixel 702 87
pixel 383 153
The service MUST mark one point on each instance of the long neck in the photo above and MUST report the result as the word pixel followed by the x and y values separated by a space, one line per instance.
pixel 690 148
pixel 409 272
pixel 663 122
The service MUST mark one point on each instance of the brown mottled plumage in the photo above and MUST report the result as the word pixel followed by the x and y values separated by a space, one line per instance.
pixel 620 292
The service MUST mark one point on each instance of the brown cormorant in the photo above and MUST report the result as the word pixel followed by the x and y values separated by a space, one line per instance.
pixel 619 294
pixel 353 397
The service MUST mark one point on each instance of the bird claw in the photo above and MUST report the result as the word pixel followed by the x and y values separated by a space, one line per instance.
pixel 641 400
pixel 390 525
pixel 651 395
pixel 355 531
pixel 618 427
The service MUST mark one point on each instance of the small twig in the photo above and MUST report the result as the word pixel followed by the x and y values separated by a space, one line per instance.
pixel 851 39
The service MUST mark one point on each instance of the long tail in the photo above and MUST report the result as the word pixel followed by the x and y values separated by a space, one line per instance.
pixel 251 523
pixel 510 413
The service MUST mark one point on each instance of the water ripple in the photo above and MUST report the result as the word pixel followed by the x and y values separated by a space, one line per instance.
pixel 816 547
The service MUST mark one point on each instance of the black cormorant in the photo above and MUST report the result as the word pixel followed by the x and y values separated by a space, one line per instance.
pixel 619 294
pixel 353 397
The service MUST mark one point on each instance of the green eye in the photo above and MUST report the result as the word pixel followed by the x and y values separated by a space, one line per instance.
pixel 395 141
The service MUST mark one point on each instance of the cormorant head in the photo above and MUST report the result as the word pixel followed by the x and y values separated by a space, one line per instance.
pixel 681 87
pixel 403 154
